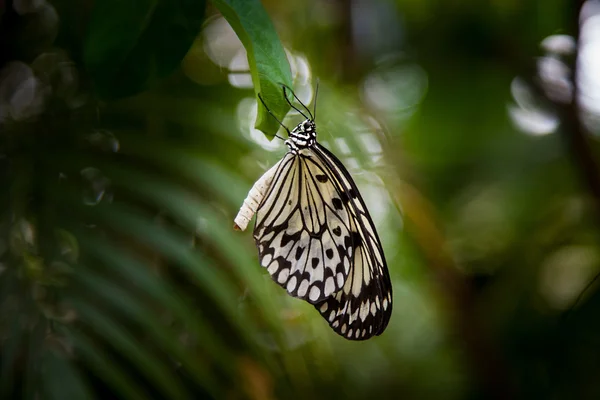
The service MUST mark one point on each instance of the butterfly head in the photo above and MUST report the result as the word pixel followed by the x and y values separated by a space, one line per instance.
pixel 303 135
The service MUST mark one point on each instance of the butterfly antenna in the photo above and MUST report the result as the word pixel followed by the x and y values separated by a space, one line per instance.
pixel 315 105
pixel 273 115
pixel 284 86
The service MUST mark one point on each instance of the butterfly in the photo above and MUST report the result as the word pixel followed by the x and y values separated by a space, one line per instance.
pixel 315 236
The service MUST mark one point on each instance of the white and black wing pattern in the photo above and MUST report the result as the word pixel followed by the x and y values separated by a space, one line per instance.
pixel 363 307
pixel 316 239
pixel 301 235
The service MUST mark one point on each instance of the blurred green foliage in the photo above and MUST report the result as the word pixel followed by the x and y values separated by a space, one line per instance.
pixel 130 46
pixel 127 145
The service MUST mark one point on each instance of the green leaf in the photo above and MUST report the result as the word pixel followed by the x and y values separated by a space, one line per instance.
pixel 129 347
pixel 62 380
pixel 132 44
pixel 268 63
pixel 123 302
pixel 10 352
pixel 120 263
pixel 106 368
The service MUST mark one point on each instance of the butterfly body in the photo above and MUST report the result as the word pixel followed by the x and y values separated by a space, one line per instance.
pixel 316 238
pixel 303 136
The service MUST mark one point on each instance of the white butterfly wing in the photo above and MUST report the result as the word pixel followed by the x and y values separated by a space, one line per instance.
pixel 363 307
pixel 302 238
pixel 316 239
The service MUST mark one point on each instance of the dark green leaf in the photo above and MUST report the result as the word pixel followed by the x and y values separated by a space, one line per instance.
pixel 10 352
pixel 130 45
pixel 106 368
pixel 60 379
pixel 267 59
pixel 129 346
pixel 128 305
pixel 120 263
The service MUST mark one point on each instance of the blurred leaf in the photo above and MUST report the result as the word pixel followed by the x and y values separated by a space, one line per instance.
pixel 267 59
pixel 60 379
pixel 119 263
pixel 131 45
pixel 132 309
pixel 10 351
pixel 35 353
pixel 154 369
pixel 105 367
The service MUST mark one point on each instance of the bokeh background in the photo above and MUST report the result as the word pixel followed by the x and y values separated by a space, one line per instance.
pixel 471 129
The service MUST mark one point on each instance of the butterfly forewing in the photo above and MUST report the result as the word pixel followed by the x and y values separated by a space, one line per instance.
pixel 301 237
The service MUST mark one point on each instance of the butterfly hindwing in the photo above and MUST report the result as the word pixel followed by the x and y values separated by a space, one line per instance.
pixel 363 307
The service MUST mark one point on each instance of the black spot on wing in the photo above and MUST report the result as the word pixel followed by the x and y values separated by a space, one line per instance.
pixel 345 315
pixel 347 241
pixel 285 239
pixel 337 203
pixel 329 253
pixel 337 231
pixel 356 238
pixel 321 178
pixel 345 197
pixel 299 251
pixel 315 262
